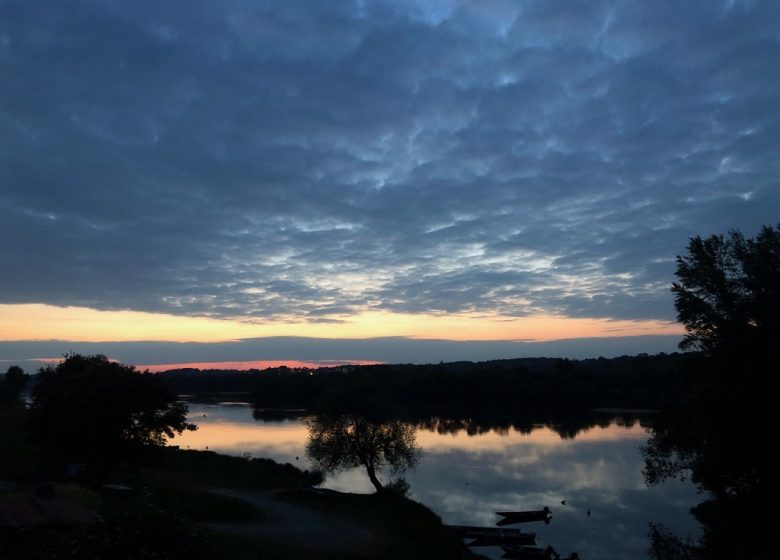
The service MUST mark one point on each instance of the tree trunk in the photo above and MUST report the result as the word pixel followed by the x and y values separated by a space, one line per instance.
pixel 374 480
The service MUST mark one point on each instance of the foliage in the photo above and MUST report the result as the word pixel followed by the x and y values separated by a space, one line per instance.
pixel 18 457
pixel 728 299
pixel 344 441
pixel 200 506
pixel 404 528
pixel 132 530
pixel 12 384
pixel 414 531
pixel 399 486
pixel 728 293
pixel 664 545
pixel 642 381
pixel 90 410
pixel 189 468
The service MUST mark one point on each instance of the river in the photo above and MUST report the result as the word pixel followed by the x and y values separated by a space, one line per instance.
pixel 589 474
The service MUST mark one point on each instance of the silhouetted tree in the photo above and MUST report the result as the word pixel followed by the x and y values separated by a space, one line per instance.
pixel 91 410
pixel 728 293
pixel 728 299
pixel 349 440
pixel 12 384
pixel 355 427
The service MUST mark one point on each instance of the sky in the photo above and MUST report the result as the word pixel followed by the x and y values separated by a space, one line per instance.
pixel 445 175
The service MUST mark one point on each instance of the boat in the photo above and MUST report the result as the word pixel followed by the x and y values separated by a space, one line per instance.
pixel 511 517
pixel 492 536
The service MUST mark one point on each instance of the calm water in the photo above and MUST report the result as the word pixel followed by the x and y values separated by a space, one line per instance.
pixel 466 478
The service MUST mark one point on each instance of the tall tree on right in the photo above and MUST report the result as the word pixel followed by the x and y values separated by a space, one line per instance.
pixel 720 425
pixel 728 294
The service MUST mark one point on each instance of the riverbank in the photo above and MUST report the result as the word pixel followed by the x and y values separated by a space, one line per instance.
pixel 201 505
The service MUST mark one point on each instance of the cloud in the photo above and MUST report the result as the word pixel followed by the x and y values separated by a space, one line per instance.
pixel 311 160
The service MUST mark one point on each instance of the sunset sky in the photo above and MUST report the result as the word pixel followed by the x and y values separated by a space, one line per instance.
pixel 391 180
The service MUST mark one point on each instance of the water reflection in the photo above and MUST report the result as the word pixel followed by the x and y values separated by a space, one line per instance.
pixel 596 474
pixel 566 426
pixel 735 473
pixel 591 462
pixel 232 430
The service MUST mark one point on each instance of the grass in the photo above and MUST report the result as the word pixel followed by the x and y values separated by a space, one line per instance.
pixel 167 513
pixel 150 523
pixel 204 507
pixel 407 528
pixel 18 458
pixel 189 468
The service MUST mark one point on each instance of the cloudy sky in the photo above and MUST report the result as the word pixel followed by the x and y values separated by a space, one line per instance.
pixel 486 170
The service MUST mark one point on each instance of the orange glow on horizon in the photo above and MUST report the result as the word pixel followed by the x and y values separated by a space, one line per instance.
pixel 79 324
pixel 255 364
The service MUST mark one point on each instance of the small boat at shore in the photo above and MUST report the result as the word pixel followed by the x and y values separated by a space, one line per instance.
pixel 511 517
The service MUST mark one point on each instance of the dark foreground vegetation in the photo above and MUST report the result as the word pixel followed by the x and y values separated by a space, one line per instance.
pixel 201 505
pixel 721 430
pixel 84 473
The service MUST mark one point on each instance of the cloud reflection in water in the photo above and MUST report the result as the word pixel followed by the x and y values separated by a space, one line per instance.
pixel 465 479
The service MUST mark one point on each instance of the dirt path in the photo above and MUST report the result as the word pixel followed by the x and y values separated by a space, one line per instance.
pixel 311 526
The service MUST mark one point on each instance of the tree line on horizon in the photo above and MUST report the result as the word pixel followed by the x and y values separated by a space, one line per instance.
pixel 627 382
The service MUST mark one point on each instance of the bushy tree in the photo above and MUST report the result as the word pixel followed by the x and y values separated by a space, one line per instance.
pixel 91 410
pixel 728 299
pixel 357 428
pixel 348 440
pixel 12 384
pixel 718 431
pixel 728 292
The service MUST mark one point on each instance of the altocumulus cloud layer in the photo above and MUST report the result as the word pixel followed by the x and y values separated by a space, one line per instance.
pixel 313 159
